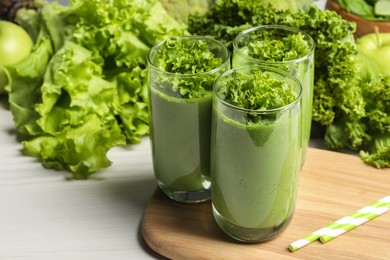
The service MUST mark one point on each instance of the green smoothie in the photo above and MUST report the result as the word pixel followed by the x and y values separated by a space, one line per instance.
pixel 255 173
pixel 180 132
pixel 255 151
pixel 182 71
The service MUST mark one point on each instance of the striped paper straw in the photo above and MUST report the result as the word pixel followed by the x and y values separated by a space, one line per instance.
pixel 343 225
pixel 356 219
pixel 316 235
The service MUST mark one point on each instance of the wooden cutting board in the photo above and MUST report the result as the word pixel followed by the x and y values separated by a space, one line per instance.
pixel 332 185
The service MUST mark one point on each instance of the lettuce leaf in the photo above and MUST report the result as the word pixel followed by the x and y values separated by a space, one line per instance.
pixel 25 81
pixel 83 90
pixel 378 154
pixel 370 133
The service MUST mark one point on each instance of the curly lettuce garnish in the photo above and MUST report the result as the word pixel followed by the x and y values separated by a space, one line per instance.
pixel 258 91
pixel 289 47
pixel 189 63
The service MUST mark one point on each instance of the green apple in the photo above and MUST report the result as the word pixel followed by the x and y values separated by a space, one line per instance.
pixel 376 46
pixel 15 45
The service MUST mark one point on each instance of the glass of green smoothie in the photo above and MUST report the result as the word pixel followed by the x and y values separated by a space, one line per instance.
pixel 285 48
pixel 255 151
pixel 182 71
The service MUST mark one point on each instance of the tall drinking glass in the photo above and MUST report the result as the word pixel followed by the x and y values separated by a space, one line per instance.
pixel 180 113
pixel 255 152
pixel 285 48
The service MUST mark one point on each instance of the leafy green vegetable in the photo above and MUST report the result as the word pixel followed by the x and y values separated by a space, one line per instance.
pixel 358 7
pixel 83 89
pixel 369 132
pixel 351 99
pixel 190 64
pixel 379 152
pixel 25 81
pixel 374 10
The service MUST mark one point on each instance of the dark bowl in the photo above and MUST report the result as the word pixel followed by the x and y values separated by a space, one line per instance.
pixel 363 26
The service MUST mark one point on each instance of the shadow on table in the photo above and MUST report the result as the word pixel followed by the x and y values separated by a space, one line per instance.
pixel 139 195
pixel 135 194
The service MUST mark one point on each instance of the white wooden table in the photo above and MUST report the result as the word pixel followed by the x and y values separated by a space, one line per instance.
pixel 45 216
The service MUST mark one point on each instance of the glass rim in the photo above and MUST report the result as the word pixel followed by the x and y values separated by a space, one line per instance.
pixel 259 68
pixel 213 71
pixel 283 27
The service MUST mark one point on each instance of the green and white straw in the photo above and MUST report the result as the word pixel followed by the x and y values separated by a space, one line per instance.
pixel 356 219
pixel 344 224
